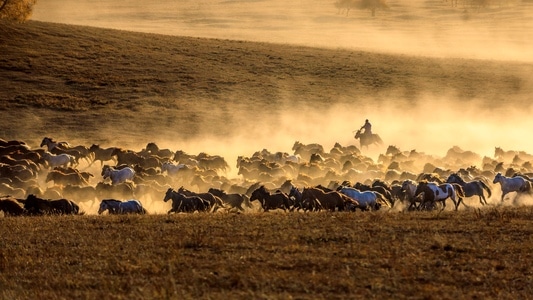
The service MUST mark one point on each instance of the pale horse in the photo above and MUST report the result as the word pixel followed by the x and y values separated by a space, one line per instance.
pixel 118 176
pixel 171 168
pixel 516 184
pixel 58 160
pixel 367 199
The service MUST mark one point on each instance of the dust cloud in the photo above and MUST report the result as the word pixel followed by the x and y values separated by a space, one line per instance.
pixel 500 30
pixel 425 126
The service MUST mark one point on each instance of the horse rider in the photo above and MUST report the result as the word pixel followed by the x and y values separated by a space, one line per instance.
pixel 367 127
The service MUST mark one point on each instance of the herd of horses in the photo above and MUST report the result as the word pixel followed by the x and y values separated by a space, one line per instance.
pixel 54 179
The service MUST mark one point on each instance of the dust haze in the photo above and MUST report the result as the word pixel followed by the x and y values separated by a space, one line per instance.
pixel 499 30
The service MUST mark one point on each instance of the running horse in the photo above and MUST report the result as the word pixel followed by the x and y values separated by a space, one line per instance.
pixel 271 201
pixel 471 188
pixel 366 140
pixel 118 176
pixel 434 192
pixel 117 207
pixel 512 184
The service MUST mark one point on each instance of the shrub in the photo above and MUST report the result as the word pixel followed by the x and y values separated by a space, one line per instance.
pixel 16 10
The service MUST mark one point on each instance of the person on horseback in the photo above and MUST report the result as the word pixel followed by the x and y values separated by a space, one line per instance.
pixel 367 127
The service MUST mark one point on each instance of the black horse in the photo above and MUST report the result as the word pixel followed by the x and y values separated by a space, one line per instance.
pixel 11 207
pixel 38 206
pixel 183 203
pixel 366 140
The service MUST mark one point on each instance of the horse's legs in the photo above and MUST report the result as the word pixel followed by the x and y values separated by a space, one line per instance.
pixel 503 196
pixel 482 199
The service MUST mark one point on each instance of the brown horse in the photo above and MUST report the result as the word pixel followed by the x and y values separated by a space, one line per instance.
pixel 271 201
pixel 234 200
pixel 328 200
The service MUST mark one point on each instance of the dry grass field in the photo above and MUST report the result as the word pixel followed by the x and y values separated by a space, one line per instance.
pixel 467 255
pixel 231 97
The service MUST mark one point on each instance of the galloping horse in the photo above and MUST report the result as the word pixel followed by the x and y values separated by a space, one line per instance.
pixel 368 200
pixel 118 176
pixel 310 204
pixel 512 184
pixel 471 188
pixel 440 192
pixel 38 206
pixel 59 159
pixel 328 200
pixel 368 140
pixel 234 200
pixel 117 207
pixel 184 203
pixel 271 201
pixel 51 144
pixel 409 186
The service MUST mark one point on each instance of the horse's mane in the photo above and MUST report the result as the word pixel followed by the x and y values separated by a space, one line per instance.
pixel 111 201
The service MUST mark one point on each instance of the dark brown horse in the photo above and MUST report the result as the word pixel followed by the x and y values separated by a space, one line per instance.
pixel 38 206
pixel 11 207
pixel 366 140
pixel 278 200
pixel 471 188
pixel 214 201
pixel 309 204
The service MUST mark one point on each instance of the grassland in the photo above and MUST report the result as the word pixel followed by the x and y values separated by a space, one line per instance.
pixel 470 254
pixel 93 85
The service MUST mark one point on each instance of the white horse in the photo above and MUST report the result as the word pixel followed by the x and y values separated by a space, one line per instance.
pixel 118 176
pixel 116 207
pixel 516 184
pixel 171 169
pixel 58 160
pixel 367 199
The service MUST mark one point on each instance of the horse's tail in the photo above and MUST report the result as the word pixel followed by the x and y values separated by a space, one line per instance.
pixel 527 187
pixel 383 199
pixel 377 138
pixel 485 187
pixel 458 189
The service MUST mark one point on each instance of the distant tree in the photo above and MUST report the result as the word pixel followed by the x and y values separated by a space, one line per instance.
pixel 16 10
pixel 372 5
